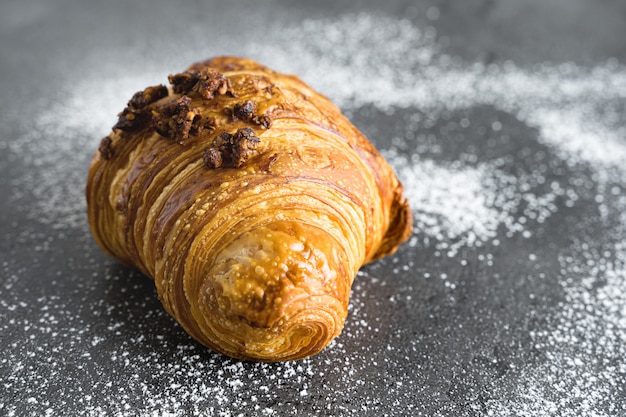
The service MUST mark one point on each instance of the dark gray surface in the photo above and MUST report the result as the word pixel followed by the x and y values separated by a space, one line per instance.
pixel 529 322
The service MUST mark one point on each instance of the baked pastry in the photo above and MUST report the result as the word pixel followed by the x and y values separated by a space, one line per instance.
pixel 250 200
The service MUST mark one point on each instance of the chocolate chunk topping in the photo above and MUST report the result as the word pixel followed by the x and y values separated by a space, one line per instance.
pixel 231 150
pixel 245 134
pixel 177 120
pixel 148 96
pixel 244 141
pixel 184 82
pixel 135 115
pixel 247 111
pixel 206 82
pixel 244 111
pixel 264 121
pixel 213 158
pixel 130 119
pixel 105 148
pixel 223 140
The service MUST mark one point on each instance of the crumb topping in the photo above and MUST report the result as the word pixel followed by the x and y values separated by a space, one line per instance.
pixel 231 150
pixel 148 96
pixel 264 120
pixel 135 116
pixel 247 111
pixel 244 111
pixel 177 120
pixel 207 82
pixel 213 158
pixel 105 148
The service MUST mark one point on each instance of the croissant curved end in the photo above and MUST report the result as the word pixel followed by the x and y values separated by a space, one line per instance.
pixel 250 200
pixel 278 292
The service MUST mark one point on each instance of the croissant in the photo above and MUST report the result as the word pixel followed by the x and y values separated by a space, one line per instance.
pixel 250 200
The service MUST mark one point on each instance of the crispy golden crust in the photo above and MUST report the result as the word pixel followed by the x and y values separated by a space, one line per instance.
pixel 251 201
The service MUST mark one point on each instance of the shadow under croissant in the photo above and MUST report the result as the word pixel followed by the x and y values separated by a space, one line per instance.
pixel 132 302
pixel 143 326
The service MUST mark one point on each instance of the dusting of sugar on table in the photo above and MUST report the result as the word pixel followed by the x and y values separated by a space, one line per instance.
pixel 490 316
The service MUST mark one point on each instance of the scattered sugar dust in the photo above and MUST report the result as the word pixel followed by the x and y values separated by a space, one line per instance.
pixel 390 64
pixel 579 114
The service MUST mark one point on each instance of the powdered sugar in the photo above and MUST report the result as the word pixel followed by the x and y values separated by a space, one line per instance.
pixel 584 346
pixel 450 203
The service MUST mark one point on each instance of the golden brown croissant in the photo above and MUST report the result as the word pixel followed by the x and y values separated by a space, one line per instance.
pixel 250 200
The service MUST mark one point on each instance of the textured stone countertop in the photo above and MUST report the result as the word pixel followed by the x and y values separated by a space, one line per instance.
pixel 506 122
